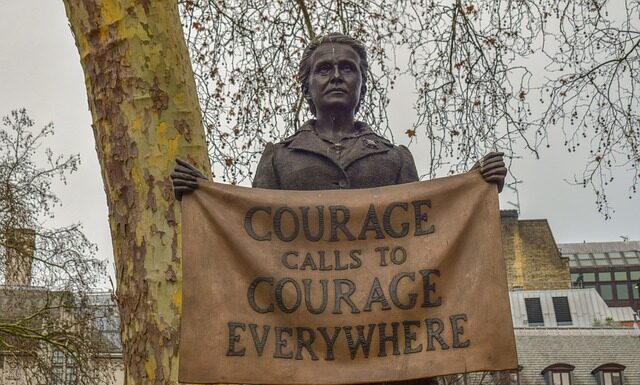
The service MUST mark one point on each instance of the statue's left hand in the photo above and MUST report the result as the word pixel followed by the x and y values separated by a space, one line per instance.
pixel 185 178
pixel 492 168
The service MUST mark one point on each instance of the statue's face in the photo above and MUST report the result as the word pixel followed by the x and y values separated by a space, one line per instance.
pixel 335 79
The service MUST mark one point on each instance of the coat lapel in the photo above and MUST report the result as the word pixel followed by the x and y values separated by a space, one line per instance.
pixel 364 144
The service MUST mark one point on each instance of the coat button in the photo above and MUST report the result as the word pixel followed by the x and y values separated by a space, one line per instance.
pixel 342 183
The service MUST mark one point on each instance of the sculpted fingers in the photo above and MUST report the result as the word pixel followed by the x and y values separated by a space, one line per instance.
pixel 496 175
pixel 186 167
pixel 182 173
pixel 185 178
pixel 493 170
pixel 498 171
pixel 493 166
pixel 492 157
pixel 180 179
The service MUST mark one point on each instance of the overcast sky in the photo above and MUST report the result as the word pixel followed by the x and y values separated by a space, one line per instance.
pixel 40 70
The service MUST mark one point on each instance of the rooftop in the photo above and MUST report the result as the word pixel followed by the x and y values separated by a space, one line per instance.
pixel 601 254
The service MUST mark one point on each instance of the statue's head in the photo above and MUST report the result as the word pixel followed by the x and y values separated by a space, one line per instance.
pixel 307 61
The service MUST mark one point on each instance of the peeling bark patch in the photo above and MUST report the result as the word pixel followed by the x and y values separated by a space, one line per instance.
pixel 155 231
pixel 171 220
pixel 151 199
pixel 167 189
pixel 182 126
pixel 145 5
pixel 159 98
pixel 174 249
pixel 170 275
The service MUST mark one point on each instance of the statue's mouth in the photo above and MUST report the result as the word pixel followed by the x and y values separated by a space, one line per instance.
pixel 336 90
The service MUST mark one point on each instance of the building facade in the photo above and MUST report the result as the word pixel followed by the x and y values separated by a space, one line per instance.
pixel 571 331
pixel 612 268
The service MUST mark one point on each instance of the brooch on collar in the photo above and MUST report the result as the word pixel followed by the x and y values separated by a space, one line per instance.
pixel 370 143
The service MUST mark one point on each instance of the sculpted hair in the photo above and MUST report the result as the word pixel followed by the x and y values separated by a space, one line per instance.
pixel 304 68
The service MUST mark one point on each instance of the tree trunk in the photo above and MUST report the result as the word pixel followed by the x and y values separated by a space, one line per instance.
pixel 145 112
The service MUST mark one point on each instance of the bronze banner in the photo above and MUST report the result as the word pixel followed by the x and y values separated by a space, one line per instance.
pixel 343 286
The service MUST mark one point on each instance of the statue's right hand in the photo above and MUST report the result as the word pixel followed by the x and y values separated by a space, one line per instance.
pixel 184 178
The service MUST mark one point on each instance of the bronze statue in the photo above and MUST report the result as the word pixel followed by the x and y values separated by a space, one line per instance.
pixel 334 151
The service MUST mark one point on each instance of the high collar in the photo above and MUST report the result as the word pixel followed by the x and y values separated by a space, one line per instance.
pixel 364 143
pixel 360 129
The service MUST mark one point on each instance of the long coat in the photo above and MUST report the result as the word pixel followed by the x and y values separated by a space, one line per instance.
pixel 364 159
pixel 308 161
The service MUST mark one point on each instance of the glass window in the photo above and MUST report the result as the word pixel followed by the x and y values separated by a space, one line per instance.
pixel 583 257
pixel 632 257
pixel 71 376
pixel 57 358
pixel 606 291
pixel 620 275
pixel 558 374
pixel 590 277
pixel 534 311
pixel 63 369
pixel 599 256
pixel 606 276
pixel 635 275
pixel 602 262
pixel 617 261
pixel 635 290
pixel 622 291
pixel 611 378
pixel 561 378
pixel 58 375
pixel 574 277
pixel 505 378
pixel 562 310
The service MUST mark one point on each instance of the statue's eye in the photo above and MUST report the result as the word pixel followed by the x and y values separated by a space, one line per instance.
pixel 323 69
pixel 347 67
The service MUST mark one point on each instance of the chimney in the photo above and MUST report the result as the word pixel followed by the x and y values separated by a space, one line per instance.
pixel 19 248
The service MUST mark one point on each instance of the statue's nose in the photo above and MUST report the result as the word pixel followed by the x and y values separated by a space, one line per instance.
pixel 336 72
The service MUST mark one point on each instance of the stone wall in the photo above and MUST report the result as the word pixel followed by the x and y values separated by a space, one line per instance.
pixel 532 257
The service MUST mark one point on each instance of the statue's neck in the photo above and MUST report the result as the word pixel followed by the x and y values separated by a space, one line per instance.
pixel 334 126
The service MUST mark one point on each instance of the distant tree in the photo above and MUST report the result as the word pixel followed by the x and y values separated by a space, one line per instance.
pixel 515 76
pixel 48 330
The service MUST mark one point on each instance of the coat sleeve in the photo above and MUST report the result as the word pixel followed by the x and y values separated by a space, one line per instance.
pixel 408 172
pixel 266 176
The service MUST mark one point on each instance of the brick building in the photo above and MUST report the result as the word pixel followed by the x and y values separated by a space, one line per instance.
pixel 531 254
pixel 568 335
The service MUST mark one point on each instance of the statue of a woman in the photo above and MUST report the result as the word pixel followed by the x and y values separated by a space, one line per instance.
pixel 334 151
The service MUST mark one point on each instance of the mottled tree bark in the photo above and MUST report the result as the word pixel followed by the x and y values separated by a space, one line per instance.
pixel 145 112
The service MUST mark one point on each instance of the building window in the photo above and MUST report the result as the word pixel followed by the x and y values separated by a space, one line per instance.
pixel 622 291
pixel 563 313
pixel 558 374
pixel 632 257
pixel 534 311
pixel 609 374
pixel 510 377
pixel 606 291
pixel 620 275
pixel 63 369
